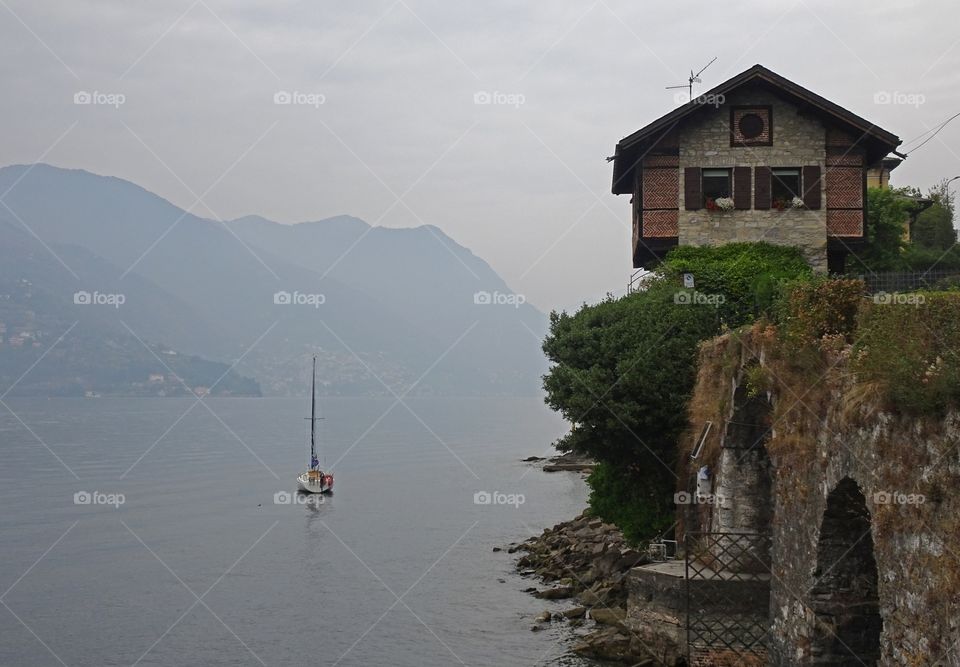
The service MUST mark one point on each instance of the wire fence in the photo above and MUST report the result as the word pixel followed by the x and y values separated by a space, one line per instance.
pixel 728 592
pixel 910 281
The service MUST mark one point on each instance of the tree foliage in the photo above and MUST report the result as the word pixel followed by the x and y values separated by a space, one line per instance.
pixel 933 238
pixel 746 274
pixel 887 216
pixel 623 371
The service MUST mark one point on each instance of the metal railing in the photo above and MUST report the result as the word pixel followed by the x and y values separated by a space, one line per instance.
pixel 636 280
pixel 909 281
pixel 728 588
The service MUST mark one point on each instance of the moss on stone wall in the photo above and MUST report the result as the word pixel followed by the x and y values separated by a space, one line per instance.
pixel 867 390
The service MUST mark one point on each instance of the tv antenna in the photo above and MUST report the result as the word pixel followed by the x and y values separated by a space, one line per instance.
pixel 692 79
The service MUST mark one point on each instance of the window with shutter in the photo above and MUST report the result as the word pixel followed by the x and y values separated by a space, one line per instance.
pixel 716 184
pixel 784 186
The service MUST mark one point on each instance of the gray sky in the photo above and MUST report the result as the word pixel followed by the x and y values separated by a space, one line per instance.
pixel 521 181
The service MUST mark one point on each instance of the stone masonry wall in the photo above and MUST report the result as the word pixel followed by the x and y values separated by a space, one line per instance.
pixel 866 523
pixel 915 544
pixel 797 141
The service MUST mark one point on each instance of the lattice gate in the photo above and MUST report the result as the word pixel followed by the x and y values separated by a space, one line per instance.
pixel 728 594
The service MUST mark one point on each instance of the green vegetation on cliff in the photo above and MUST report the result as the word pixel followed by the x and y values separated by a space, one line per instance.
pixel 623 371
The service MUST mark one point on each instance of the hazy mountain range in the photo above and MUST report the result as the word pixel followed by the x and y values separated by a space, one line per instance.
pixel 156 295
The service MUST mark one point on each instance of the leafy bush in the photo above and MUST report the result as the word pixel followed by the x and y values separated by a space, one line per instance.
pixel 916 258
pixel 911 352
pixel 934 229
pixel 887 215
pixel 622 373
pixel 638 503
pixel 624 369
pixel 807 310
pixel 746 274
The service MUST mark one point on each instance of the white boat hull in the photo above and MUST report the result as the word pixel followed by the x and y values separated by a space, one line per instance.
pixel 309 484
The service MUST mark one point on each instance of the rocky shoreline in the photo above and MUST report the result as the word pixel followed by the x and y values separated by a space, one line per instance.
pixel 585 562
pixel 568 462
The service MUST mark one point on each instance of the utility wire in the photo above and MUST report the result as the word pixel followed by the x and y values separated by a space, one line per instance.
pixel 935 130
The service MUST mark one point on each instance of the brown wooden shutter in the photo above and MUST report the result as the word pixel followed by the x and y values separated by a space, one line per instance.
pixel 811 186
pixel 761 188
pixel 741 188
pixel 692 192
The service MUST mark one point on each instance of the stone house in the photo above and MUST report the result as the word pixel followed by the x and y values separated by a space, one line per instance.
pixel 756 158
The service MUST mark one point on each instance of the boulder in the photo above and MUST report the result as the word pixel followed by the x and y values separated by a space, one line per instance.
pixel 609 616
pixel 605 644
pixel 556 593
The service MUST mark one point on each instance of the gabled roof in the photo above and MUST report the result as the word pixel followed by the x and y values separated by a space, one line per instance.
pixel 878 141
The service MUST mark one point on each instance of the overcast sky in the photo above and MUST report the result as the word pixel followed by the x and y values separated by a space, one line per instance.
pixel 398 139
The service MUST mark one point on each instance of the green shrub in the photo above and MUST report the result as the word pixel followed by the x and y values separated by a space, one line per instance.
pixel 910 351
pixel 746 274
pixel 811 308
pixel 622 374
pixel 887 215
pixel 640 505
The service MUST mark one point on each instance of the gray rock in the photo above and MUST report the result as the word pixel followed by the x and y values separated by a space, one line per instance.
pixel 556 593
pixel 575 612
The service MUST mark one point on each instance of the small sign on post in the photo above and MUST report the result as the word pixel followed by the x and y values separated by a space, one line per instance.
pixel 688 280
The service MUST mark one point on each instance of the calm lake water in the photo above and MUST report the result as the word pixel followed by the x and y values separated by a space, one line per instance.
pixel 208 562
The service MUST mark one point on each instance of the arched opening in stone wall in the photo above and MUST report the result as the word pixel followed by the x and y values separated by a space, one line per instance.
pixel 744 503
pixel 844 597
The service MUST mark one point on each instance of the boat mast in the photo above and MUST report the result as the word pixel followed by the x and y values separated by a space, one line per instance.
pixel 313 416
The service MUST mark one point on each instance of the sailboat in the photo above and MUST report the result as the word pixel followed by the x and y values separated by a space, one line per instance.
pixel 314 480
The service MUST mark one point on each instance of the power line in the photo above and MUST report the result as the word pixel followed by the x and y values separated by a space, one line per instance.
pixel 935 130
